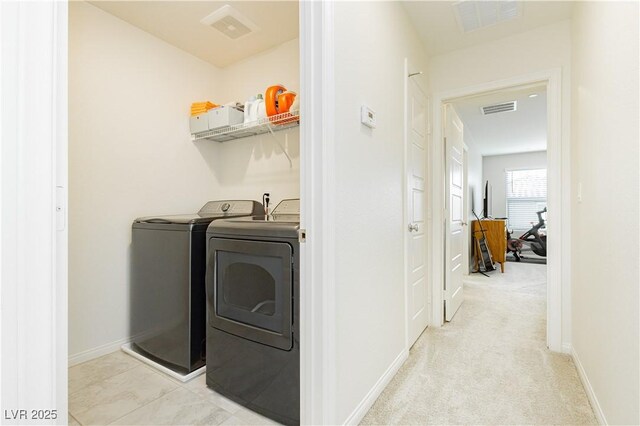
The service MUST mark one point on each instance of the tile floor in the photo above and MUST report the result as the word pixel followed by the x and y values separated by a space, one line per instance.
pixel 118 389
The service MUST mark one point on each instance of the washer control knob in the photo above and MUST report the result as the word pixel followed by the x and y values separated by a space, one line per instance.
pixel 225 207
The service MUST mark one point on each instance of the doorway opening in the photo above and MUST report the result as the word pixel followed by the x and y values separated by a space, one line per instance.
pixel 183 121
pixel 504 207
pixel 510 173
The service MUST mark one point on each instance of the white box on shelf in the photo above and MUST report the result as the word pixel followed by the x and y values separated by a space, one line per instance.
pixel 224 116
pixel 199 123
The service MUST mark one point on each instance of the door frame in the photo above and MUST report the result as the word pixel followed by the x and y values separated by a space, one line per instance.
pixel 317 214
pixel 558 199
pixel 33 166
pixel 317 361
pixel 408 68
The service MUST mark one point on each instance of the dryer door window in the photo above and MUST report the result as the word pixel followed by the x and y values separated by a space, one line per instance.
pixel 249 286
pixel 252 282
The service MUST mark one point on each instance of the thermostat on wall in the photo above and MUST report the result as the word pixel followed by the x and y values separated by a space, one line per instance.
pixel 368 116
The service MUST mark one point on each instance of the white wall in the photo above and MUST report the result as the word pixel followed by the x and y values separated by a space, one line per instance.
pixel 494 169
pixel 369 232
pixel 249 167
pixel 253 75
pixel 131 155
pixel 542 49
pixel 474 179
pixel 605 246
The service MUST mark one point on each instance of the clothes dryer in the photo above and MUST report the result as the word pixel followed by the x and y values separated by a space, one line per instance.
pixel 253 322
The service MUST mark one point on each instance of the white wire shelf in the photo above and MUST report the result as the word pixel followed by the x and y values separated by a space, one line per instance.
pixel 263 125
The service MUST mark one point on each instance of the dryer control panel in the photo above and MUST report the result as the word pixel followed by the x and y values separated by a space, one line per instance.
pixel 290 206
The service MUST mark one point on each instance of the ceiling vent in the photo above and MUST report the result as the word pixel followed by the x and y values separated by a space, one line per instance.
pixel 497 108
pixel 230 22
pixel 473 15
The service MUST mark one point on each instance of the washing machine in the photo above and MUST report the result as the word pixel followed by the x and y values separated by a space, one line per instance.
pixel 253 327
pixel 167 296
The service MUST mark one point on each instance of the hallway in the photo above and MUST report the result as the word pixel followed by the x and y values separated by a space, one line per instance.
pixel 490 365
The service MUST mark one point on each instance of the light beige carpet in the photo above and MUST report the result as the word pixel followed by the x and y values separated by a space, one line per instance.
pixel 490 365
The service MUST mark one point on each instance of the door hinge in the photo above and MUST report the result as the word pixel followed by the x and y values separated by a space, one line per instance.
pixel 302 235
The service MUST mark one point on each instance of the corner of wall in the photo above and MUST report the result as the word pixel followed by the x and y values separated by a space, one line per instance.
pixel 370 398
pixel 593 400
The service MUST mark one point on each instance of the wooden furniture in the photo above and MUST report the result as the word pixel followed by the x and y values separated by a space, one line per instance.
pixel 496 233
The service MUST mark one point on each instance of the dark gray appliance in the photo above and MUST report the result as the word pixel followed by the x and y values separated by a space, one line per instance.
pixel 168 264
pixel 253 327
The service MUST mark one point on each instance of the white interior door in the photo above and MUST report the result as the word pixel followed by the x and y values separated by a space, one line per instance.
pixel 454 239
pixel 415 252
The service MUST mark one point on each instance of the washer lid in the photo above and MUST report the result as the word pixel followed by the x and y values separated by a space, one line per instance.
pixel 209 212
pixel 179 219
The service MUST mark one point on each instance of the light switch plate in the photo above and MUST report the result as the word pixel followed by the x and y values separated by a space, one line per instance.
pixel 368 116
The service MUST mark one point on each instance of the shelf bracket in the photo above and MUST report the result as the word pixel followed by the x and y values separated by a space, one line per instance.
pixel 280 145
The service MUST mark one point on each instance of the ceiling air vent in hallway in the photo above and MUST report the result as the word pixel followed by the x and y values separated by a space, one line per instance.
pixel 497 108
pixel 230 22
pixel 476 14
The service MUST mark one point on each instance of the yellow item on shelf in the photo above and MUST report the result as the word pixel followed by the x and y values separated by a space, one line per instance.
pixel 201 107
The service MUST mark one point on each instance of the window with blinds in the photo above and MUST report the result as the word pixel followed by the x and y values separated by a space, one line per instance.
pixel 526 194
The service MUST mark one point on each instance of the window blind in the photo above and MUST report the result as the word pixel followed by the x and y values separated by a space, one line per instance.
pixel 526 194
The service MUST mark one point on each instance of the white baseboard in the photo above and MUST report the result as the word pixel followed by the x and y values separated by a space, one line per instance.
pixel 367 402
pixel 566 348
pixel 105 349
pixel 595 405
